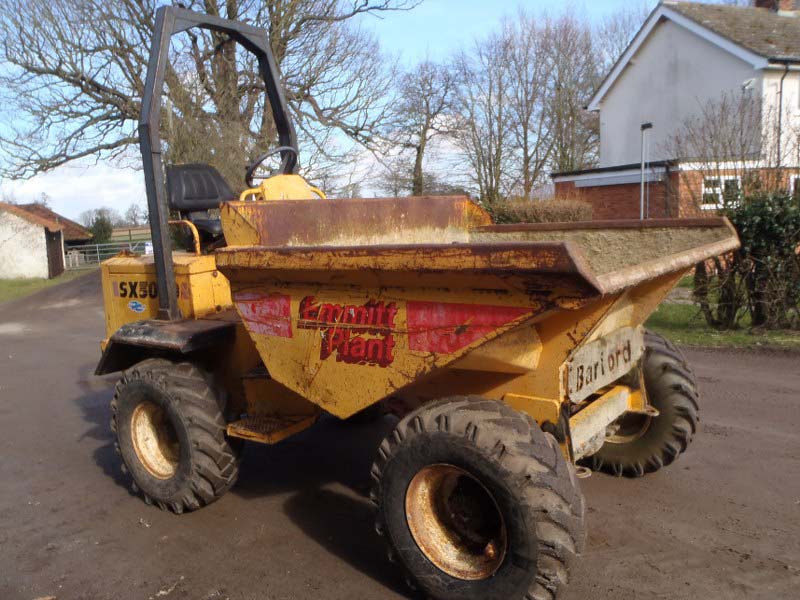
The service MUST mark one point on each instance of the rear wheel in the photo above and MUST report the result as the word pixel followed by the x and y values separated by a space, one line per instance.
pixel 641 444
pixel 476 502
pixel 171 435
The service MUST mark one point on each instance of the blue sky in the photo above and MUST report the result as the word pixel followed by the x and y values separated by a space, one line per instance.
pixel 436 28
pixel 439 27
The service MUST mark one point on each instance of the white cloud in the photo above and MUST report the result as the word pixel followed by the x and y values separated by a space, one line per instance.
pixel 74 188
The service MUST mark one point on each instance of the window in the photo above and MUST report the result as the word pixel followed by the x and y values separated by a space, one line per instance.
pixel 720 191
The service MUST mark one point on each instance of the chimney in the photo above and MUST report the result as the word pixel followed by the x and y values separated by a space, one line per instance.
pixel 777 5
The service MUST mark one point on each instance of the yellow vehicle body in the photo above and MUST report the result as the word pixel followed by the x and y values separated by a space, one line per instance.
pixel 129 281
pixel 130 293
pixel 414 300
pixel 340 304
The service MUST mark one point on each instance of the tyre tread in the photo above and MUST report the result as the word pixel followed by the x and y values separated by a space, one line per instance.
pixel 546 484
pixel 215 462
pixel 670 379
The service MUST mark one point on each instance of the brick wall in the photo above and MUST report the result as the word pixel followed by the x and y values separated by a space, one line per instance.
pixel 777 4
pixel 690 187
pixel 618 201
pixel 678 196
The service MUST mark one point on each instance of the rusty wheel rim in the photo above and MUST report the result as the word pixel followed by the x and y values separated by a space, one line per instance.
pixel 456 522
pixel 630 427
pixel 154 440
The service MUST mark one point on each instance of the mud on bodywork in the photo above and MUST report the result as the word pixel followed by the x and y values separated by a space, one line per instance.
pixel 135 341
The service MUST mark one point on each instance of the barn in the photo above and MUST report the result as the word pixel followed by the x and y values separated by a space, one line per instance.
pixel 32 241
pixel 73 233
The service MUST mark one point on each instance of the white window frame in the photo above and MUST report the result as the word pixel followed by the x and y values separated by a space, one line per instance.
pixel 718 190
pixel 794 184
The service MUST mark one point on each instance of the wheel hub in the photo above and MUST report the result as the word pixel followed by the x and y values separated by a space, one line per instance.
pixel 456 522
pixel 629 428
pixel 154 440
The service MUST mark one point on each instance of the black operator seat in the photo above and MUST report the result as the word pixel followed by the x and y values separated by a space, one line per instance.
pixel 194 190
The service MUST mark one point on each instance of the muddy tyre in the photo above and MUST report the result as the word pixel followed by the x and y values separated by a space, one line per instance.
pixel 170 430
pixel 476 502
pixel 643 444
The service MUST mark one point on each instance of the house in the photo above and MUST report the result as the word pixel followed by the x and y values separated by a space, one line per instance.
pixel 687 61
pixel 32 241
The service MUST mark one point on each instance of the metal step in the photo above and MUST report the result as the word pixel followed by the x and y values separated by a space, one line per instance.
pixel 270 429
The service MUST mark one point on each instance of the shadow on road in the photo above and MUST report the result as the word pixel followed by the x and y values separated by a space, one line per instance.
pixel 344 525
pixel 95 406
pixel 331 452
pixel 341 521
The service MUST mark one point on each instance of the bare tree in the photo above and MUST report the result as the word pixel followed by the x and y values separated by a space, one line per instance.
pixel 520 104
pixel 74 69
pixel 616 31
pixel 395 176
pixel 575 71
pixel 728 144
pixel 483 117
pixel 425 99
pixel 135 215
pixel 528 75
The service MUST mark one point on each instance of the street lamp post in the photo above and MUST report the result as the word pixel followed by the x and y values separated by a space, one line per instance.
pixel 644 128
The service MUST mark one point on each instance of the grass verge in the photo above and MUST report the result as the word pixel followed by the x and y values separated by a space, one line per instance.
pixel 684 324
pixel 11 289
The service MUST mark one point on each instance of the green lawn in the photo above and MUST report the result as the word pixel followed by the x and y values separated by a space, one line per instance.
pixel 684 324
pixel 11 289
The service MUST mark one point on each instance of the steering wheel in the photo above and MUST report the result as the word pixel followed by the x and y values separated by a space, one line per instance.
pixel 288 162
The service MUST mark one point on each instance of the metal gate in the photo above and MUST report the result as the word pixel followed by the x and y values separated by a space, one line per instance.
pixel 91 255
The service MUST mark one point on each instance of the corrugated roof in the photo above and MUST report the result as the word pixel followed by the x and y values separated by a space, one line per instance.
pixel 73 232
pixel 30 217
pixel 765 32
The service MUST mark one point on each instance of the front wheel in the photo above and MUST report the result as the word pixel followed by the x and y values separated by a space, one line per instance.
pixel 641 444
pixel 171 435
pixel 476 502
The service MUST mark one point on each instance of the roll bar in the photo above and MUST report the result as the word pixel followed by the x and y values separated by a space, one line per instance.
pixel 169 21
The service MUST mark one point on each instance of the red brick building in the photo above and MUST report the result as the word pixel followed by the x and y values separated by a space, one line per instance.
pixel 670 189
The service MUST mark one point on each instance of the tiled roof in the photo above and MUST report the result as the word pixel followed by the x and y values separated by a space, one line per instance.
pixel 762 31
pixel 72 231
pixel 30 217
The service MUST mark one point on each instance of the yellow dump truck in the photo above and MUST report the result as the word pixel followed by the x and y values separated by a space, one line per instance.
pixel 514 356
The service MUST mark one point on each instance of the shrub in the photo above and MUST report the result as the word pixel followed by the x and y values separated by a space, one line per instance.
pixel 760 282
pixel 556 210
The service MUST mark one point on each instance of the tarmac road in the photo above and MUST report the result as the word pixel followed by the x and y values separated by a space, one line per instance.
pixel 722 522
